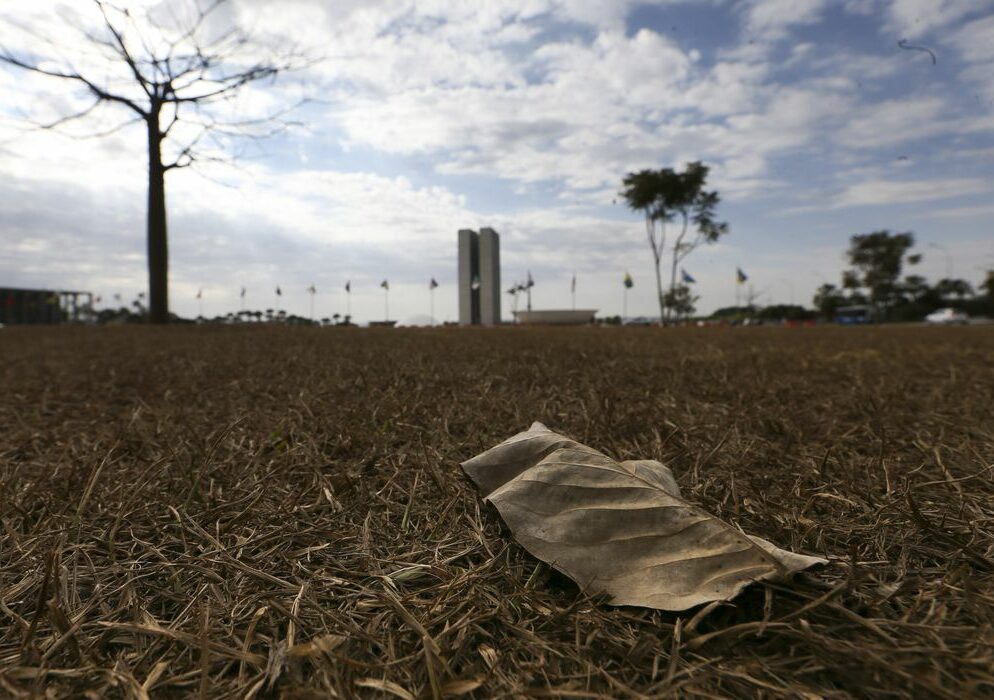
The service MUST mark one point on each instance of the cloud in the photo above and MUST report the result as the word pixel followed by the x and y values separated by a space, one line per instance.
pixel 425 105
pixel 916 18
pixel 882 192
pixel 771 19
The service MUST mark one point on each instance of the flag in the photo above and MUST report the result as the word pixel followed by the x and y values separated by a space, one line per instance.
pixel 200 293
pixel 242 295
pixel 279 292
pixel 348 287
pixel 687 279
pixel 629 282
pixel 312 290
pixel 572 286
pixel 432 284
pixel 476 283
pixel 740 276
pixel 385 284
pixel 117 297
pixel 531 282
pixel 98 299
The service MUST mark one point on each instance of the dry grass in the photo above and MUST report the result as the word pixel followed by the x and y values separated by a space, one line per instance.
pixel 280 512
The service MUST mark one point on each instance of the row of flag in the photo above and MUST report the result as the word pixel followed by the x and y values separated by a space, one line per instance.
pixel 312 290
pixel 629 282
pixel 686 277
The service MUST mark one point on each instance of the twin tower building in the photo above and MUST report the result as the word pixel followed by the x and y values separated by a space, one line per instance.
pixel 479 277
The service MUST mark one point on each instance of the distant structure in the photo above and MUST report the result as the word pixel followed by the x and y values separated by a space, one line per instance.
pixel 44 306
pixel 479 277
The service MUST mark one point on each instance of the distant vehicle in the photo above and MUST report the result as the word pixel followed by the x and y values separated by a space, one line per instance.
pixel 850 315
pixel 947 317
pixel 638 321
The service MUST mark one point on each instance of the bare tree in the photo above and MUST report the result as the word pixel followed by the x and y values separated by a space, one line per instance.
pixel 176 73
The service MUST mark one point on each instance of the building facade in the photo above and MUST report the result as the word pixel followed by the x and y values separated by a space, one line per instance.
pixel 479 277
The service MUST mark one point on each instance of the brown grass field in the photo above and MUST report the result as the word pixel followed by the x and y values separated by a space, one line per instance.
pixel 278 512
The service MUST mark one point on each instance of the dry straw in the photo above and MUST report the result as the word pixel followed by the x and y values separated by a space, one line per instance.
pixel 280 512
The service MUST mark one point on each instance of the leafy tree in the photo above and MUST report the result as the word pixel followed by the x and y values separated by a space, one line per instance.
pixel 988 284
pixel 788 312
pixel 827 299
pixel 665 196
pixel 173 77
pixel 916 289
pixel 958 288
pixel 877 259
pixel 680 301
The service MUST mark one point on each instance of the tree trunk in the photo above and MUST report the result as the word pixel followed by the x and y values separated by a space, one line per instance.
pixel 158 250
pixel 659 289
pixel 676 259
pixel 657 257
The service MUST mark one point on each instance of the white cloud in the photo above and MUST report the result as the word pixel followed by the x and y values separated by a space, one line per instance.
pixel 892 122
pixel 770 19
pixel 882 192
pixel 557 98
pixel 916 18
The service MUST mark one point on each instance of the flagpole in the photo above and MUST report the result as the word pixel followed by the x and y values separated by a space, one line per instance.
pixel 431 307
pixel 312 307
pixel 572 290
pixel 386 303
pixel 624 304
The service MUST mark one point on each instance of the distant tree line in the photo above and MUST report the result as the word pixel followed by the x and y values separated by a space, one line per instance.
pixel 137 312
pixel 876 279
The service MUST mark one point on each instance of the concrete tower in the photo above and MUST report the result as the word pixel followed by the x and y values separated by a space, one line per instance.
pixel 489 277
pixel 479 277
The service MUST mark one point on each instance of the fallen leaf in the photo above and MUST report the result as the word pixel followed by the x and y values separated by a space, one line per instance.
pixel 620 528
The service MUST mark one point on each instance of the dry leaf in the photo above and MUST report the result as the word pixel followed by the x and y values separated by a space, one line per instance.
pixel 620 528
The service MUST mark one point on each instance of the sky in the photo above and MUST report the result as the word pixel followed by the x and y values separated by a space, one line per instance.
pixel 416 119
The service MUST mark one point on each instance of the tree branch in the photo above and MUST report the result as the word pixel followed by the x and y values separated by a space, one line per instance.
pixel 122 49
pixel 7 57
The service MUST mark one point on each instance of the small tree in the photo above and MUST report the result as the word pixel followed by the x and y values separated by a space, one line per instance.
pixel 958 288
pixel 916 290
pixel 988 285
pixel 664 196
pixel 681 301
pixel 175 71
pixel 877 259
pixel 827 299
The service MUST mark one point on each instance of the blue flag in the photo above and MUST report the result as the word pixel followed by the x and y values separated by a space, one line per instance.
pixel 687 279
